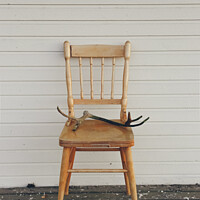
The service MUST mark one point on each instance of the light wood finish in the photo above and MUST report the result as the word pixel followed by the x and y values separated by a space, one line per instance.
pixel 63 172
pixel 131 175
pixel 71 162
pixel 113 78
pixel 97 149
pixel 102 78
pixel 127 54
pixel 124 165
pixel 69 79
pixel 81 78
pixel 97 51
pixel 97 170
pixel 97 101
pixel 91 79
pixel 95 133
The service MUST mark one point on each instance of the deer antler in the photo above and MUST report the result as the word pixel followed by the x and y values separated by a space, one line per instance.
pixel 86 115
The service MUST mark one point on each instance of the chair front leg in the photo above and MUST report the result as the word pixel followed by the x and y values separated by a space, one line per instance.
pixel 131 175
pixel 124 165
pixel 71 162
pixel 63 172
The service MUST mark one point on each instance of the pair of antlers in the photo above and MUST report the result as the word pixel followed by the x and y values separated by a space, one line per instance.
pixel 86 115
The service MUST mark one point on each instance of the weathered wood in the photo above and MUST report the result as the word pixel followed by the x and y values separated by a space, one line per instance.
pixel 90 134
pixel 97 51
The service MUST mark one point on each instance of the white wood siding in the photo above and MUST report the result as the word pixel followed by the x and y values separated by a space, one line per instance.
pixel 164 84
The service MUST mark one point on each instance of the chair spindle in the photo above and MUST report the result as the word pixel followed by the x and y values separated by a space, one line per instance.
pixel 81 78
pixel 102 78
pixel 113 78
pixel 91 79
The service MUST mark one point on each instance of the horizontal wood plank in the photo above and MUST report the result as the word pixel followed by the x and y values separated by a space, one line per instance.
pixel 109 28
pixel 134 101
pixel 141 87
pixel 52 116
pixel 54 129
pixel 142 43
pixel 97 51
pixel 135 73
pixel 142 142
pixel 168 168
pixel 164 84
pixel 94 12
pixel 54 59
pixel 104 2
pixel 140 155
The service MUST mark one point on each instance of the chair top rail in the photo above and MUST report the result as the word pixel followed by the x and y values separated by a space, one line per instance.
pixel 97 51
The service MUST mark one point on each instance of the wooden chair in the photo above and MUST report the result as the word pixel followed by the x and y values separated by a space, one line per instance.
pixel 94 135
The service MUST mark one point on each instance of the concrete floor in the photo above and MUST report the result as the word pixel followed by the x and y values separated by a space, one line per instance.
pixel 161 192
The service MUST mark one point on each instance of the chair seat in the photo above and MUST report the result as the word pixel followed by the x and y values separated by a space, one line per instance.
pixel 95 133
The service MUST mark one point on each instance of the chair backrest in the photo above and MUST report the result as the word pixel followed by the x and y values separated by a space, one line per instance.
pixel 97 51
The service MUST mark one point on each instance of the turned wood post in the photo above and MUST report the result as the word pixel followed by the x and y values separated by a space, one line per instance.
pixel 127 53
pixel 69 79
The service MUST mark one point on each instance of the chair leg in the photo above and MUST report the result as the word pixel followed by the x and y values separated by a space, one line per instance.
pixel 131 175
pixel 124 165
pixel 71 162
pixel 63 172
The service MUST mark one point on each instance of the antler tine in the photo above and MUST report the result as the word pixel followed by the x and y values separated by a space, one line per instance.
pixel 129 116
pixel 72 118
pixel 133 120
pixel 140 122
pixel 128 122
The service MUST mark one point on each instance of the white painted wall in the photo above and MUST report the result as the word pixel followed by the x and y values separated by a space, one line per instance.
pixel 164 84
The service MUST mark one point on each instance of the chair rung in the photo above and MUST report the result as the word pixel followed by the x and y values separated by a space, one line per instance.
pixel 97 170
pixel 97 149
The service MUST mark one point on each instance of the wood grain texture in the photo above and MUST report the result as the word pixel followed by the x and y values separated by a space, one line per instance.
pixel 93 133
pixel 81 78
pixel 97 51
pixel 91 79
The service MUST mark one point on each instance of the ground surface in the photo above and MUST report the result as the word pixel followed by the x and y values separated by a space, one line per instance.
pixel 161 192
